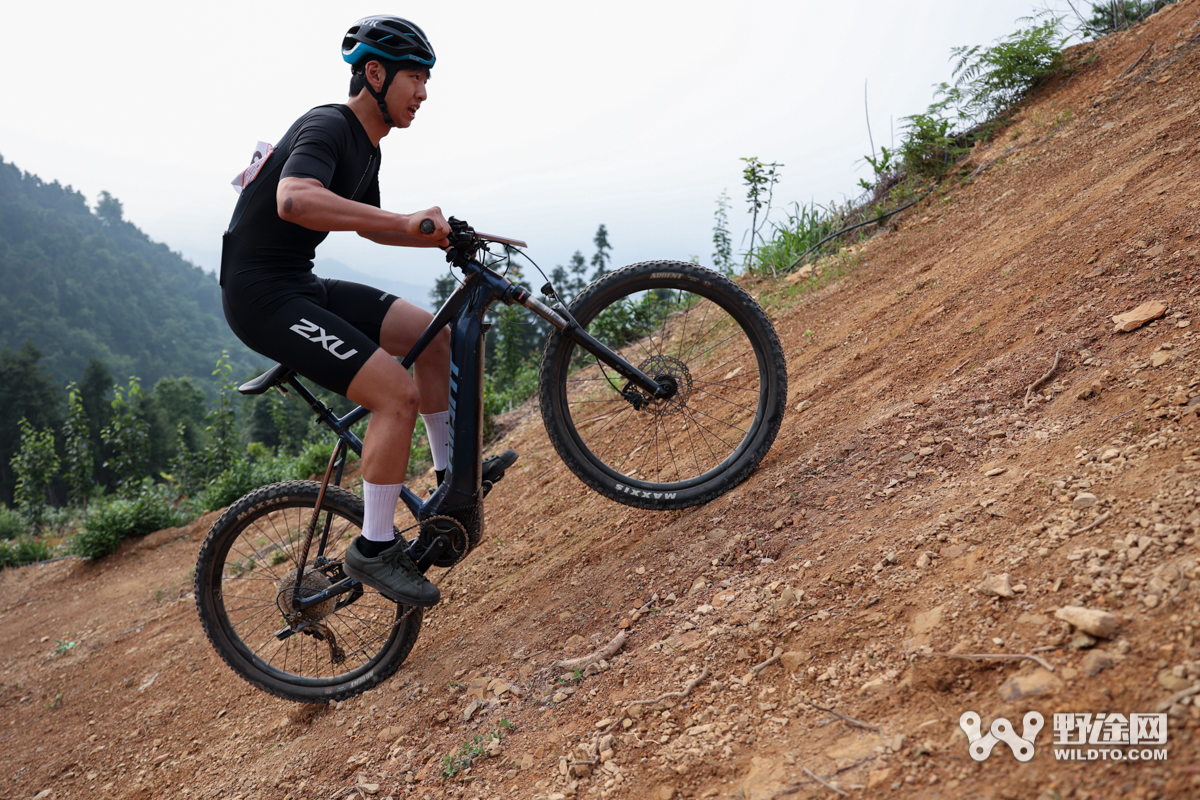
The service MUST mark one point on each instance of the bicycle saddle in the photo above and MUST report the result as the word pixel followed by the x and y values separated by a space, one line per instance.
pixel 272 377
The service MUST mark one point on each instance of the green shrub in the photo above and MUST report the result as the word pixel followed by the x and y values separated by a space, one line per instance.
pixel 108 525
pixel 12 523
pixel 23 550
pixel 247 474
pixel 991 80
pixel 929 147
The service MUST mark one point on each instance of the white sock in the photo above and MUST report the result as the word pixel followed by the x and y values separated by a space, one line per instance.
pixel 437 426
pixel 379 501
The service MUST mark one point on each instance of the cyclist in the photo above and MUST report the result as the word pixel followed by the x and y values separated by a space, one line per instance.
pixel 324 176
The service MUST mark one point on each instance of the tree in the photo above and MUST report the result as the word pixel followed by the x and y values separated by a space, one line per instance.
pixel 722 245
pixel 602 259
pixel 222 419
pixel 760 180
pixel 127 438
pixel 35 464
pixel 77 450
pixel 110 210
pixel 443 287
pixel 26 390
pixel 95 389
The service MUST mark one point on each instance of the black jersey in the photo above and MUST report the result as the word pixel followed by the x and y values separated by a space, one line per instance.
pixel 328 144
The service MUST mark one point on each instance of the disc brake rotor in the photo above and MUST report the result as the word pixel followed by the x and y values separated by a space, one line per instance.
pixel 666 370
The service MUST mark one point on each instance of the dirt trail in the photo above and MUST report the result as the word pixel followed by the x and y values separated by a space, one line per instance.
pixel 909 472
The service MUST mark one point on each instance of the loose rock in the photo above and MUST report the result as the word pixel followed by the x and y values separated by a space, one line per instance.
pixel 996 586
pixel 1089 620
pixel 1040 681
pixel 1096 662
pixel 1131 320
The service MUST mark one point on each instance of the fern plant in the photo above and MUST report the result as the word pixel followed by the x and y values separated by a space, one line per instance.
pixel 988 81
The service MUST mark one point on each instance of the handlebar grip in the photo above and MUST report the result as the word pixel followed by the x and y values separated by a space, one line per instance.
pixel 427 226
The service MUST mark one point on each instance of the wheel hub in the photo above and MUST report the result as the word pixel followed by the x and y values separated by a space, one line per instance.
pixel 312 583
pixel 670 373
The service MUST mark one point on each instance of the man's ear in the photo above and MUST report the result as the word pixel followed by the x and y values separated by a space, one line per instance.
pixel 375 74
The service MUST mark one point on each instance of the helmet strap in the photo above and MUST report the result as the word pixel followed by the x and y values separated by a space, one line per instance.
pixel 389 72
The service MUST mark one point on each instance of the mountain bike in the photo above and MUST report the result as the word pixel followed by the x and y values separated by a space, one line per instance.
pixel 662 386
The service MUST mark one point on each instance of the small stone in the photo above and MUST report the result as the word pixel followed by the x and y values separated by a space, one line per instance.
pixel 698 585
pixel 992 473
pixel 1159 358
pixel 1150 600
pixel 705 609
pixel 1096 661
pixel 793 660
pixel 878 777
pixel 1040 681
pixel 473 706
pixel 803 405
pixel 43 793
pixel 604 723
pixel 1092 621
pixel 1131 320
pixel 787 596
pixel 1081 641
pixel 1172 682
pixel 944 449
pixel 1085 500
pixel 1110 454
pixel 369 788
pixel 926 621
pixel 559 697
pixel 996 586
pixel 924 560
pixel 907 457
pixel 666 793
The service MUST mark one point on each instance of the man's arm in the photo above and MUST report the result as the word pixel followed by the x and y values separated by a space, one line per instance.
pixel 307 203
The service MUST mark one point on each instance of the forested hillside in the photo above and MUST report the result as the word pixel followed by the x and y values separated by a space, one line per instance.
pixel 80 284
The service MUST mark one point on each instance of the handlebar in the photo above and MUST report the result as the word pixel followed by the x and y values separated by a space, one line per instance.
pixel 427 226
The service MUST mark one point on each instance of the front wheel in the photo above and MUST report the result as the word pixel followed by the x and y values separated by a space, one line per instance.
pixel 245 581
pixel 697 332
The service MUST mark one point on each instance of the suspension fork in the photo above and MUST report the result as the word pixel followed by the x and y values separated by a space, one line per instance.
pixel 561 318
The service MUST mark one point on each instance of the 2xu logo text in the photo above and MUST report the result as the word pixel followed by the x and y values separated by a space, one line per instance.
pixel 315 333
pixel 981 744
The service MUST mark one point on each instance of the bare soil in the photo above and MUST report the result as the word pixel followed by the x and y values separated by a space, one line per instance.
pixel 914 471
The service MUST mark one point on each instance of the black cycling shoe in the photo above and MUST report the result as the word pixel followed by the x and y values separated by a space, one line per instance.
pixel 393 573
pixel 493 470
pixel 494 466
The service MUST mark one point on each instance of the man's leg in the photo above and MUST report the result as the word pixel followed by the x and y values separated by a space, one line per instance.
pixel 401 329
pixel 376 558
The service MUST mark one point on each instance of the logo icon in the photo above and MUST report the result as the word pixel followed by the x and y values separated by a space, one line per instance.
pixel 315 333
pixel 981 744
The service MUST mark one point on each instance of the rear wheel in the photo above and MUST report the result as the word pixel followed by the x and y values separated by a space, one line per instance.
pixel 689 328
pixel 246 578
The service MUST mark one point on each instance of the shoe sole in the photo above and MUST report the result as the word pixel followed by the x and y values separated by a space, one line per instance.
pixel 384 590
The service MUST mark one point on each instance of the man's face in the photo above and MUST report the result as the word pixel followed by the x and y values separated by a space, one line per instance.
pixel 405 96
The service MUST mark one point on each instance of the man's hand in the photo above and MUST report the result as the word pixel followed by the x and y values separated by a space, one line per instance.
pixel 441 228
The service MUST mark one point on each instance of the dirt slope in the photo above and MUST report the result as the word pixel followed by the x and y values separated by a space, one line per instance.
pixel 912 471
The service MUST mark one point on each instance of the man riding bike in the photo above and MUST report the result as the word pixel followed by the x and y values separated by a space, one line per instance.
pixel 324 176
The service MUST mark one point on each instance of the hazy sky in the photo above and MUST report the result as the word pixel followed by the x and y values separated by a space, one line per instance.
pixel 544 119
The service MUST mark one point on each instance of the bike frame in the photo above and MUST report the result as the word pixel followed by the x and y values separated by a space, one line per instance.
pixel 463 312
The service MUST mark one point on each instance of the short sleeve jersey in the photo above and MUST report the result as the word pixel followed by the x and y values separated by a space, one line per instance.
pixel 328 144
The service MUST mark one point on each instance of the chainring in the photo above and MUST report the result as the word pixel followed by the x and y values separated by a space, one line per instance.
pixel 455 533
